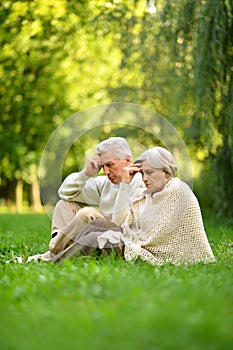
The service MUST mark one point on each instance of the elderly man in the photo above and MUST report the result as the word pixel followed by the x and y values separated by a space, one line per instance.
pixel 110 193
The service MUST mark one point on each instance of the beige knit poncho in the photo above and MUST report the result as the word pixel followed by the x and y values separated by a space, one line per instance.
pixel 165 227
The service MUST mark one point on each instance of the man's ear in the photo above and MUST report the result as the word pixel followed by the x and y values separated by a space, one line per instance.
pixel 128 159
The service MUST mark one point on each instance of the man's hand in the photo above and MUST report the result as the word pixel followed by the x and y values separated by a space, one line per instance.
pixel 89 214
pixel 93 166
pixel 130 171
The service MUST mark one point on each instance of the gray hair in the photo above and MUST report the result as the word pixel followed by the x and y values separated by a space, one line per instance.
pixel 118 145
pixel 159 158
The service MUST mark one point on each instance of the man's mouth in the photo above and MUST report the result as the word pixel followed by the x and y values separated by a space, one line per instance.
pixel 113 179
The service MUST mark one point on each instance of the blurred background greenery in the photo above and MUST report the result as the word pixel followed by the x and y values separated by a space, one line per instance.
pixel 59 57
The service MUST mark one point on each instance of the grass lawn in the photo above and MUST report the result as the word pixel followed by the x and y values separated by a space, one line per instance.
pixel 111 304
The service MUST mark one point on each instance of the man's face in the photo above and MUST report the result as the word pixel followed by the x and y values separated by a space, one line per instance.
pixel 113 166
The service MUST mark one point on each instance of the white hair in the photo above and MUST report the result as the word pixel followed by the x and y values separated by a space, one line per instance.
pixel 118 145
pixel 160 158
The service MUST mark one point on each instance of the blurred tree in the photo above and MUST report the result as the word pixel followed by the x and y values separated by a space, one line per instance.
pixel 42 64
pixel 59 57
pixel 179 62
pixel 30 99
pixel 202 49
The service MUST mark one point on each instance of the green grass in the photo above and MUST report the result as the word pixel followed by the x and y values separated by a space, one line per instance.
pixel 111 304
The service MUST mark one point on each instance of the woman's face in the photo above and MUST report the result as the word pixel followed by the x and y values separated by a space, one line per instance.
pixel 154 179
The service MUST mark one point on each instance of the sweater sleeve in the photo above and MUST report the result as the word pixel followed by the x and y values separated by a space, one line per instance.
pixel 121 205
pixel 81 188
pixel 120 209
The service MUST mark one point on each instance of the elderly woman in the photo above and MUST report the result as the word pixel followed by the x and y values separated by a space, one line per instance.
pixel 164 222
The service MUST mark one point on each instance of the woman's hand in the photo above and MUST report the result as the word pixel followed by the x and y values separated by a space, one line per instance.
pixel 130 171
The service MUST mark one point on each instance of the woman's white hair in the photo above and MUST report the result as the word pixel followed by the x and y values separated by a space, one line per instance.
pixel 118 145
pixel 160 158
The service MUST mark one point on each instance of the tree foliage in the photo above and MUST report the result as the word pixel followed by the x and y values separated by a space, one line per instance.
pixel 204 49
pixel 60 57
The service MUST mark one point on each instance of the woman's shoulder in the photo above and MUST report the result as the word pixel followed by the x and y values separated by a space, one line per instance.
pixel 181 191
pixel 178 184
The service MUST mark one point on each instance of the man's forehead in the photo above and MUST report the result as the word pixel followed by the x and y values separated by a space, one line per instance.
pixel 109 156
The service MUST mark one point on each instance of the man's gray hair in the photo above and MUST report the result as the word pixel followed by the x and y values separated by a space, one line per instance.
pixel 118 145
pixel 160 158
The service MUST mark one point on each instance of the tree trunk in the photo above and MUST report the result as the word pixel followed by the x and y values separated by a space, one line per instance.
pixel 36 201
pixel 19 195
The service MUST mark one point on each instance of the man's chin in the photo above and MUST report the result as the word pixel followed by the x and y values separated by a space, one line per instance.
pixel 114 180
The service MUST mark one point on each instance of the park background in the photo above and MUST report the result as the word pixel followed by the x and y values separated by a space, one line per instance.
pixel 61 57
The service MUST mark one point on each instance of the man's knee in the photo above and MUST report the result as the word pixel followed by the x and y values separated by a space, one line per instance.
pixel 62 205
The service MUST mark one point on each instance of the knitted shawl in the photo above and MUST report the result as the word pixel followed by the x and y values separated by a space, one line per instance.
pixel 165 227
